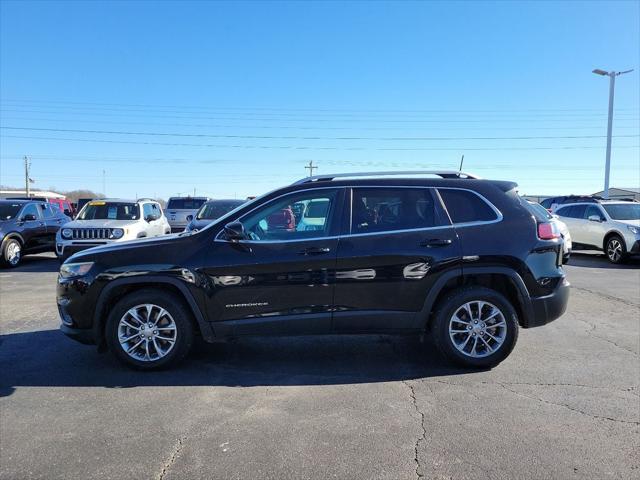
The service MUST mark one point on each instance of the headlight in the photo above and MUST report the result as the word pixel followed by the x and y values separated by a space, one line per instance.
pixel 66 233
pixel 117 233
pixel 70 270
pixel 634 230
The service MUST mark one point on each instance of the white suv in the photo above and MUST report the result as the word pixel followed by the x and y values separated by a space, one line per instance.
pixel 106 221
pixel 609 225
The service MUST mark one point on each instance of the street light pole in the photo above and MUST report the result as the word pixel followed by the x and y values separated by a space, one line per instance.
pixel 612 85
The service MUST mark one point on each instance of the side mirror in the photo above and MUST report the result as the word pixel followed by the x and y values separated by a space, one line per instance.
pixel 149 218
pixel 189 218
pixel 234 231
pixel 595 218
pixel 29 217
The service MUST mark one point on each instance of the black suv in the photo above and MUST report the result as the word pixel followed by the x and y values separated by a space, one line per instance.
pixel 462 259
pixel 28 226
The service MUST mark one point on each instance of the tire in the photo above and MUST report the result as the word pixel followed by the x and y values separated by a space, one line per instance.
pixel 155 350
pixel 615 249
pixel 11 253
pixel 501 338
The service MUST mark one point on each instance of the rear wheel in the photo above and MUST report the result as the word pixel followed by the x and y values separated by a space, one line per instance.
pixel 615 249
pixel 150 329
pixel 12 252
pixel 475 327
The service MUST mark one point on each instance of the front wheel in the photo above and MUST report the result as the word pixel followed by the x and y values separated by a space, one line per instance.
pixel 12 252
pixel 149 329
pixel 615 249
pixel 475 327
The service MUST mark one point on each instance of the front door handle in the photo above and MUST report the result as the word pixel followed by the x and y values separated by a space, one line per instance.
pixel 436 242
pixel 314 251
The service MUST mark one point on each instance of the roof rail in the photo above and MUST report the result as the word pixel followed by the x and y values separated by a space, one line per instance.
pixel 439 173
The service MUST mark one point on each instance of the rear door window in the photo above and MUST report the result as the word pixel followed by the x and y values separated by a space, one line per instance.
pixel 390 209
pixel 574 211
pixel 465 206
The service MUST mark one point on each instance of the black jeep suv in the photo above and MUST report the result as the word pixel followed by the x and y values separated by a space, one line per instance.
pixel 462 259
pixel 27 226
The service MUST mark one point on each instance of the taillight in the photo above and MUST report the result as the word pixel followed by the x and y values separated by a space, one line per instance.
pixel 547 231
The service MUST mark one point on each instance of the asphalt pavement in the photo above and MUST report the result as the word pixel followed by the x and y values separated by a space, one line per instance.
pixel 564 405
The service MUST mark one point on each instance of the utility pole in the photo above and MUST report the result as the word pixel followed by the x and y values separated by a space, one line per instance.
pixel 311 168
pixel 27 178
pixel 612 85
pixel 104 183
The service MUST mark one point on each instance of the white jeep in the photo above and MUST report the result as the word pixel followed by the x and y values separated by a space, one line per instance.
pixel 111 220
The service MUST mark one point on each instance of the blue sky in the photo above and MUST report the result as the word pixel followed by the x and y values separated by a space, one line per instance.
pixel 233 99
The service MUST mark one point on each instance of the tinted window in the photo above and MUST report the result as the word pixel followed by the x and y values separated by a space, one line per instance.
pixel 47 210
pixel 277 221
pixel 9 210
pixel 546 203
pixel 31 209
pixel 539 212
pixel 574 211
pixel 185 203
pixel 213 210
pixel 465 206
pixel 592 210
pixel 388 209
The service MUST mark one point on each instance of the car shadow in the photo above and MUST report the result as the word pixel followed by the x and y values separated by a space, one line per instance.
pixel 595 259
pixel 49 359
pixel 41 263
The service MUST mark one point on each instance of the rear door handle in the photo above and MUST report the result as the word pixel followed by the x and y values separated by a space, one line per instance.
pixel 436 242
pixel 314 251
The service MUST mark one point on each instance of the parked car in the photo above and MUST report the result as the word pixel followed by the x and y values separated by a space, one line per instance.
pixel 560 226
pixel 612 226
pixel 552 203
pixel 64 205
pixel 179 208
pixel 461 259
pixel 210 211
pixel 101 222
pixel 26 227
pixel 82 202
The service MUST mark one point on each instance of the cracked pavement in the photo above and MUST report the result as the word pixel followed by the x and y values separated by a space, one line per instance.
pixel 565 404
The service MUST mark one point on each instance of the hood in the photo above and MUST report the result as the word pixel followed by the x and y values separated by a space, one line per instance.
pixel 635 223
pixel 100 223
pixel 128 244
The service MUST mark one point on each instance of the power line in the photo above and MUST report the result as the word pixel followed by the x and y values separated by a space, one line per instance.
pixel 384 120
pixel 297 127
pixel 295 137
pixel 283 109
pixel 291 147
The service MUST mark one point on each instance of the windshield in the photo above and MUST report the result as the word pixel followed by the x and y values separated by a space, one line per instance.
pixel 109 211
pixel 9 210
pixel 623 211
pixel 213 210
pixel 185 203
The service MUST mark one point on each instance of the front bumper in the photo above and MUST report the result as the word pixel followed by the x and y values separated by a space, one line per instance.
pixel 84 336
pixel 549 307
pixel 65 250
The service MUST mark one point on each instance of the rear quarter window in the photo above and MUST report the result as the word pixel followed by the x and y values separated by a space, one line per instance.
pixel 465 206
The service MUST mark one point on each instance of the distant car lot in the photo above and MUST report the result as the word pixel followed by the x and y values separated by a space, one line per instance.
pixel 564 405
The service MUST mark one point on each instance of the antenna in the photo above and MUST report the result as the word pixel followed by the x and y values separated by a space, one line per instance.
pixel 461 162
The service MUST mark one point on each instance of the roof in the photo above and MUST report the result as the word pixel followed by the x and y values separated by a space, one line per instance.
pixel 33 193
pixel 19 200
pixel 630 190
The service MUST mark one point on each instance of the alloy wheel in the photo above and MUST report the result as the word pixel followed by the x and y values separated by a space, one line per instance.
pixel 13 253
pixel 147 332
pixel 477 329
pixel 614 250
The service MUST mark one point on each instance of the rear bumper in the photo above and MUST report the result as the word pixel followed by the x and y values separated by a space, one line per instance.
pixel 550 307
